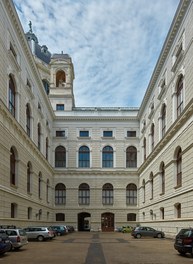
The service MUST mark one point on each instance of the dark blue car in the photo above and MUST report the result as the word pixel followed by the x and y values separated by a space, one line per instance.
pixel 5 244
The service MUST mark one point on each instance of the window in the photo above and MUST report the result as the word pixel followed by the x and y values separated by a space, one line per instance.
pixel 28 84
pixel 179 167
pixel 60 194
pixel 152 136
pixel 60 79
pixel 13 50
pixel 131 157
pixel 178 210
pixel 143 191
pixel 84 133
pixel 28 117
pixel 179 91
pixel 47 190
pixel 131 217
pixel 60 107
pixel 107 194
pixel 12 93
pixel 46 86
pixel 162 213
pixel 162 172
pixel 107 157
pixel 151 185
pixel 29 172
pixel 84 157
pixel 39 136
pixel 60 133
pixel 12 167
pixel 60 157
pixel 144 149
pixel 107 133
pixel 13 210
pixel 131 133
pixel 60 217
pixel 47 147
pixel 131 194
pixel 40 185
pixel 163 120
pixel 29 213
pixel 84 194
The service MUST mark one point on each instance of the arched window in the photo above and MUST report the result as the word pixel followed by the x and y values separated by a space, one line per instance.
pixel 12 167
pixel 131 194
pixel 107 157
pixel 84 194
pixel 29 213
pixel 179 168
pixel 107 194
pixel 144 191
pixel 131 217
pixel 178 210
pixel 163 120
pixel 162 173
pixel 60 194
pixel 29 175
pixel 47 147
pixel 144 149
pixel 28 120
pixel 13 210
pixel 131 157
pixel 60 157
pixel 40 185
pixel 60 217
pixel 84 157
pixel 39 136
pixel 152 136
pixel 162 213
pixel 179 91
pixel 60 78
pixel 12 93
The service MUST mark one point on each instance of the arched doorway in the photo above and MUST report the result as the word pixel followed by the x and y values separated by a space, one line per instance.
pixel 107 222
pixel 84 221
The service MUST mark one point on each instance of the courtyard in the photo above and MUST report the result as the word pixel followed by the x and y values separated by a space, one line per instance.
pixel 97 248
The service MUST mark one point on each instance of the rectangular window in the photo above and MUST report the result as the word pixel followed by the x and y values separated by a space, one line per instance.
pixel 60 107
pixel 84 133
pixel 107 133
pixel 60 133
pixel 131 133
pixel 13 50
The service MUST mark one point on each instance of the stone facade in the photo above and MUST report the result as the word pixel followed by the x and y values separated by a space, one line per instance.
pixel 94 168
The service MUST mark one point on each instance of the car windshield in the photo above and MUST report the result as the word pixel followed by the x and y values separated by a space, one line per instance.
pixel 186 232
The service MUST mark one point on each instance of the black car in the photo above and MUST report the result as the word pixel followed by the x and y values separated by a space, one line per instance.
pixel 5 244
pixel 184 241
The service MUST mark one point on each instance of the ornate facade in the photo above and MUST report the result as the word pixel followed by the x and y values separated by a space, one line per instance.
pixel 94 168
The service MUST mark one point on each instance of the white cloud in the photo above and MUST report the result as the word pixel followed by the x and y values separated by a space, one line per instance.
pixel 114 44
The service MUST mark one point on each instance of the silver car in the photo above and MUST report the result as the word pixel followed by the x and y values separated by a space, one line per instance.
pixel 17 236
pixel 39 232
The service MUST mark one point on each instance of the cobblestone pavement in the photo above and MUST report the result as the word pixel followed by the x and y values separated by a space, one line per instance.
pixel 97 248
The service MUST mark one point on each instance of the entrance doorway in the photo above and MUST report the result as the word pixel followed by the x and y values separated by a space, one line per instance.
pixel 107 222
pixel 84 221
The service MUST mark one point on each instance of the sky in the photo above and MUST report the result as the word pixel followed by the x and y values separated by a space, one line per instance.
pixel 114 44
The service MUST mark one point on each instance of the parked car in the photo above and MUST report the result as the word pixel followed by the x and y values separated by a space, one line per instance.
pixel 39 232
pixel 184 241
pixel 140 231
pixel 126 229
pixel 60 230
pixel 70 228
pixel 17 236
pixel 5 244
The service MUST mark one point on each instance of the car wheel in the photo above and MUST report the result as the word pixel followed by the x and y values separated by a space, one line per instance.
pixel 182 252
pixel 58 234
pixel 159 235
pixel 138 236
pixel 40 238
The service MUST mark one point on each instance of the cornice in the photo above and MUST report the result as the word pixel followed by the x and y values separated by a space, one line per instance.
pixel 176 23
pixel 21 36
pixel 94 172
pixel 94 118
pixel 188 111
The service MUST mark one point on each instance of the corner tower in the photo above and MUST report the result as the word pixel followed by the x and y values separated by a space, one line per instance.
pixel 61 82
